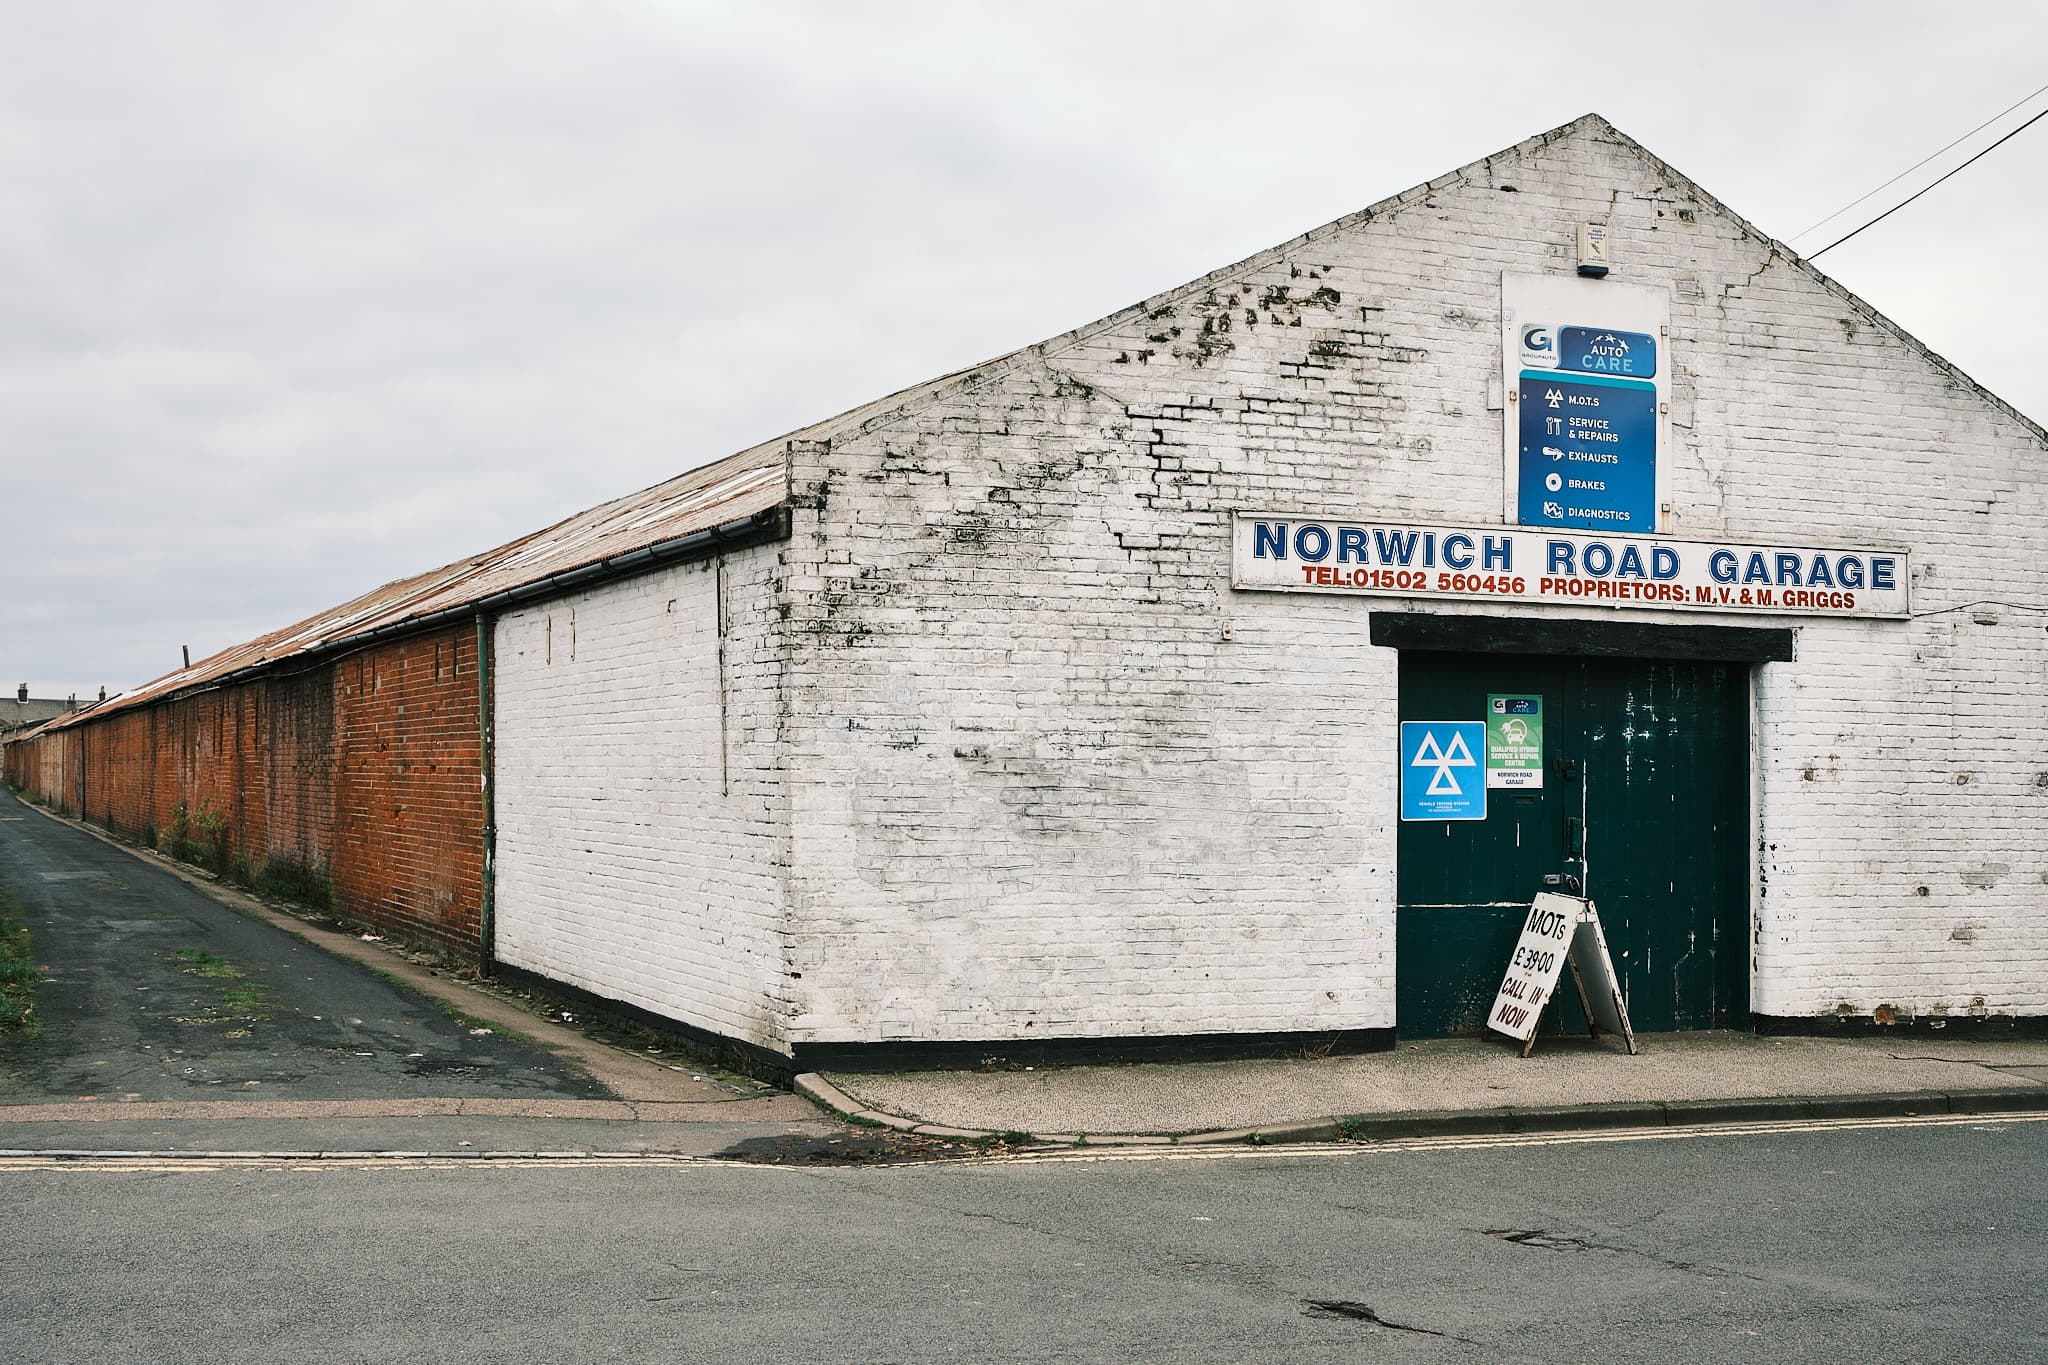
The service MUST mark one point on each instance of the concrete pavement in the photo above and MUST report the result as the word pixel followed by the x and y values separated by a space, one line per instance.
pixel 1459 1085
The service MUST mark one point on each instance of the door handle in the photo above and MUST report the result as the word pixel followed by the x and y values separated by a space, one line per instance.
pixel 1574 836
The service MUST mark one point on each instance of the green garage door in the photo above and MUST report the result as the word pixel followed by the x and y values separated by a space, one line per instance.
pixel 1645 797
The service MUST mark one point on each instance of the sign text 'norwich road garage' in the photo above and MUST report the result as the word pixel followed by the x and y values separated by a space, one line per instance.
pixel 1284 553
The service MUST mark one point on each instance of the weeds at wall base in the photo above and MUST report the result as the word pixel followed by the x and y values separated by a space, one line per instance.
pixel 200 839
pixel 288 879
pixel 203 840
pixel 19 975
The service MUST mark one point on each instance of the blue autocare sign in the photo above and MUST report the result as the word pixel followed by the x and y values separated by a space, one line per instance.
pixel 1600 350
pixel 1589 441
pixel 1442 777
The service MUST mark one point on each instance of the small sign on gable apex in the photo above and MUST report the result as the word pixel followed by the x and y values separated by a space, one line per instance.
pixel 1593 249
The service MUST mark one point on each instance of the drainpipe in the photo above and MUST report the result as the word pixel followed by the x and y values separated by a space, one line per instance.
pixel 487 926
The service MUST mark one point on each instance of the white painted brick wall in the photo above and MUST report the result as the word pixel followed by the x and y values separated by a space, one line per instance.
pixel 628 863
pixel 1035 791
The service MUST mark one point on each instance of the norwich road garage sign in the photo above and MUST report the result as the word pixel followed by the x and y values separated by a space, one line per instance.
pixel 1441 777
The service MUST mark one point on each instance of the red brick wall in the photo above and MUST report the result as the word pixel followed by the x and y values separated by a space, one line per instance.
pixel 408 787
pixel 293 760
pixel 368 770
pixel 257 755
pixel 47 768
pixel 117 773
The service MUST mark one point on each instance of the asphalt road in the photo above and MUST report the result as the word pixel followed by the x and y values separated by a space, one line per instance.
pixel 156 992
pixel 173 1022
pixel 1900 1240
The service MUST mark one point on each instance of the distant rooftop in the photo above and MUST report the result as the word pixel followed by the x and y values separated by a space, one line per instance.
pixel 20 711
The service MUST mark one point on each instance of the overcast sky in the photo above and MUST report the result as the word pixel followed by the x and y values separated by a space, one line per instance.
pixel 296 298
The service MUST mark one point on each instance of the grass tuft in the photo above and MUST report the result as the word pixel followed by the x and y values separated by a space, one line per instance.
pixel 19 975
pixel 202 963
pixel 247 999
pixel 241 1002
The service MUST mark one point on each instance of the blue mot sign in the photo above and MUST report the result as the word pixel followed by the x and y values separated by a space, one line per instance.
pixel 1441 775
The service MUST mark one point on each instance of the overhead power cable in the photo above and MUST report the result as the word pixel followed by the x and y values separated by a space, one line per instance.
pixel 1909 199
pixel 1916 165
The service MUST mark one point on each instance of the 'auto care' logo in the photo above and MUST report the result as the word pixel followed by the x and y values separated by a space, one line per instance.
pixel 1539 347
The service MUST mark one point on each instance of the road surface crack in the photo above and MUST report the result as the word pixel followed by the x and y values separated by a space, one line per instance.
pixel 1555 1241
pixel 1359 1312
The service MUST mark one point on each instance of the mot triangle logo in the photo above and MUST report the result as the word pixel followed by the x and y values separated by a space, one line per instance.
pixel 1433 754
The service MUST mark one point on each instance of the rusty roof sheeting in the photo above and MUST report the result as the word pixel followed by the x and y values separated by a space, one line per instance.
pixel 734 489
pixel 30 732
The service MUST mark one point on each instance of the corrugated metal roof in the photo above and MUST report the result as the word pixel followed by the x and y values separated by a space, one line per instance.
pixel 17 736
pixel 731 490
